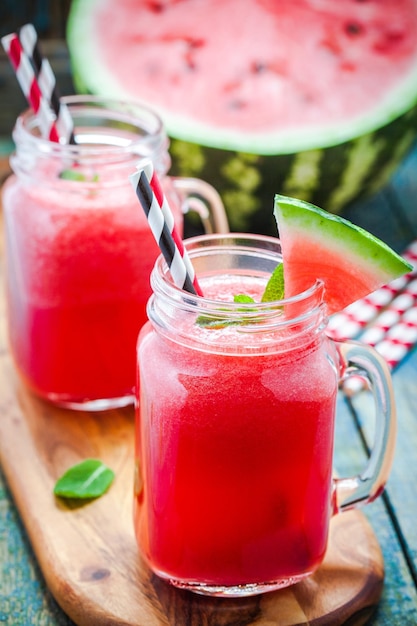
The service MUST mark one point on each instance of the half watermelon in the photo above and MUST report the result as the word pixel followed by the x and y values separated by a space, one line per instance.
pixel 318 245
pixel 314 99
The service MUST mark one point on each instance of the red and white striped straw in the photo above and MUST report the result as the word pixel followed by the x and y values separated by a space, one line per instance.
pixel 400 339
pixel 47 82
pixel 406 299
pixel 378 317
pixel 161 222
pixel 394 332
pixel 26 75
pixel 354 318
pixel 27 81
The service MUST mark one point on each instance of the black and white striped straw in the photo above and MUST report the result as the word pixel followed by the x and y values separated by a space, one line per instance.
pixel 161 231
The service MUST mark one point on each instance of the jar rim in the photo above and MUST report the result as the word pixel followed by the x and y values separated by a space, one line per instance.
pixel 141 120
pixel 242 241
pixel 298 315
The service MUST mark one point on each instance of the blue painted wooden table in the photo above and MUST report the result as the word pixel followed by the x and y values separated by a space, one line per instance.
pixel 392 215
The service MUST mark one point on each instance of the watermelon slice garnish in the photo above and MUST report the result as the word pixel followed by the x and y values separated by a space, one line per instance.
pixel 318 245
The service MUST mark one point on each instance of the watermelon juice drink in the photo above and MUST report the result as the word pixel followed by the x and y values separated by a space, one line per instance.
pixel 234 488
pixel 80 252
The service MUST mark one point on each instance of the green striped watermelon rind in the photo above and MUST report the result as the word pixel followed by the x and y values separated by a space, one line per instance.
pixel 333 177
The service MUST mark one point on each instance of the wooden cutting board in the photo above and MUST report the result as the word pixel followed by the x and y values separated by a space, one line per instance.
pixel 88 554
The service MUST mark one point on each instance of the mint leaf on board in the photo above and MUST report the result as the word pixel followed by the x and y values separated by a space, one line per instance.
pixel 89 479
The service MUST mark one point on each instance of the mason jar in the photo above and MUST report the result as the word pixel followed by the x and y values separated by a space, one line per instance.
pixel 234 482
pixel 79 250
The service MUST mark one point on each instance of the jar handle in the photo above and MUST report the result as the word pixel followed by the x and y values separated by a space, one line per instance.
pixel 359 360
pixel 201 197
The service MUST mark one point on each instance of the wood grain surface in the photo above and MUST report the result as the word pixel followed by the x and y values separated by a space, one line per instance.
pixel 88 554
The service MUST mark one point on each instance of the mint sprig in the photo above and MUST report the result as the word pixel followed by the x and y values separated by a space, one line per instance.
pixel 274 290
pixel 88 479
pixel 244 298
pixel 214 321
pixel 74 174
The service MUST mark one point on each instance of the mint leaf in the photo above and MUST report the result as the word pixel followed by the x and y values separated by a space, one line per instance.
pixel 88 479
pixel 213 321
pixel 74 174
pixel 242 297
pixel 274 289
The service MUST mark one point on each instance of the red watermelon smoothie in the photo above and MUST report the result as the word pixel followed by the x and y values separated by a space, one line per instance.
pixel 233 492
pixel 79 256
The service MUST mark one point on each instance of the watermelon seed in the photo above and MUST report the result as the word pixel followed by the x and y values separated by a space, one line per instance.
pixel 258 67
pixel 353 28
pixel 237 104
pixel 389 40
pixel 156 7
pixel 192 46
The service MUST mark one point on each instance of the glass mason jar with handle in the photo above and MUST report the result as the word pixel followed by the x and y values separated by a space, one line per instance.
pixel 234 486
pixel 79 251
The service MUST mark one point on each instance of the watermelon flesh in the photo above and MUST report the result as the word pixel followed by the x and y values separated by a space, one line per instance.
pixel 317 245
pixel 315 99
pixel 260 75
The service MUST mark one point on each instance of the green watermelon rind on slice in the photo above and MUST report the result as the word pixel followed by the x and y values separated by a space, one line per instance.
pixel 318 245
pixel 331 168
